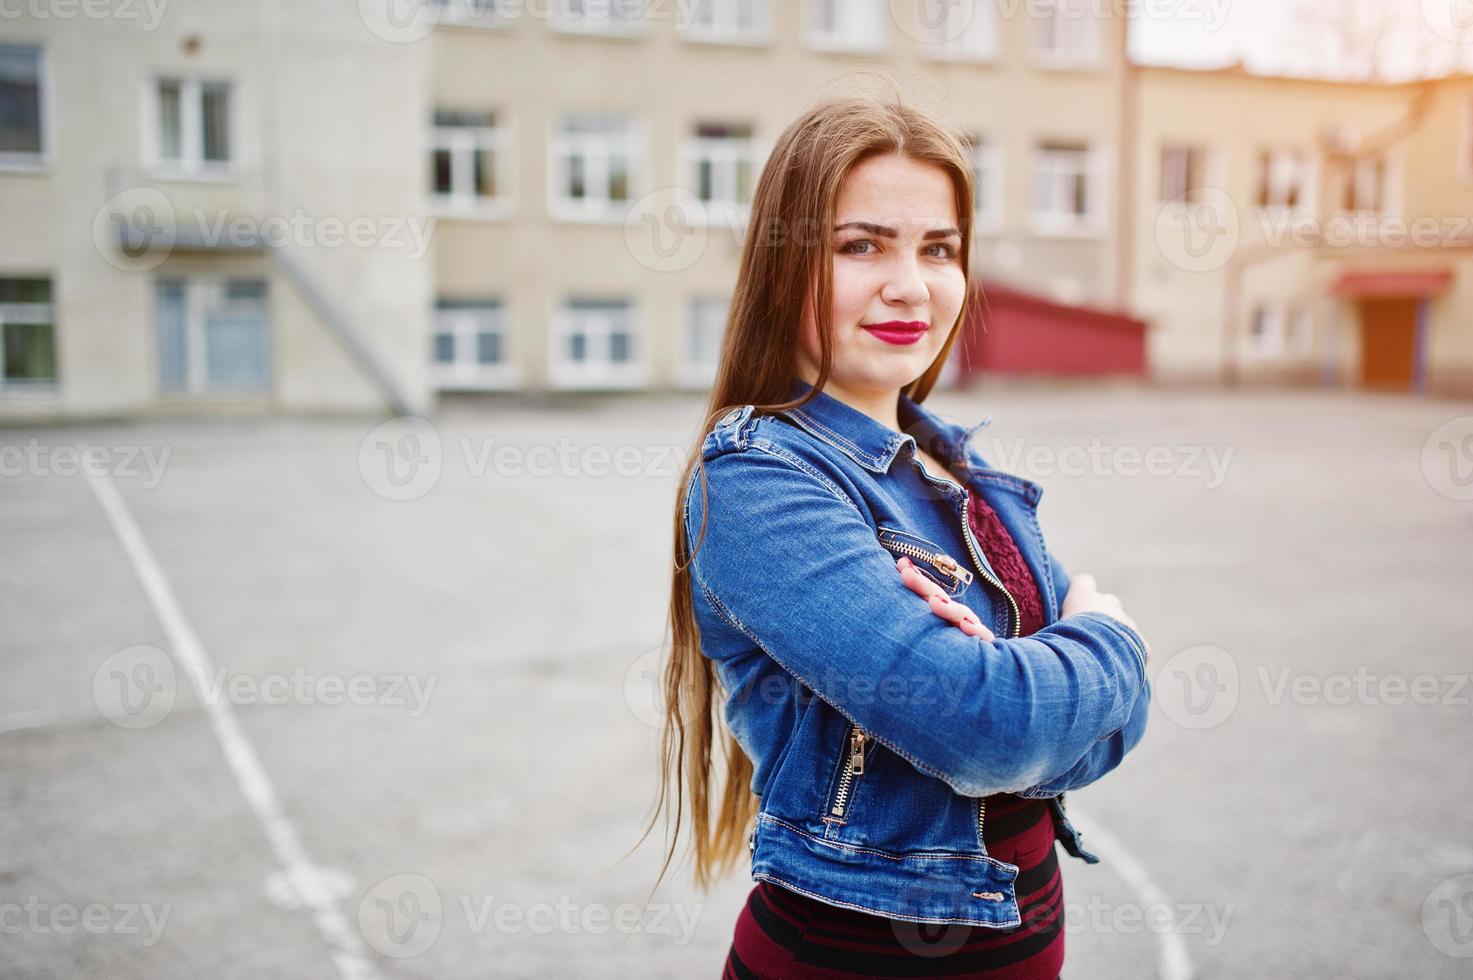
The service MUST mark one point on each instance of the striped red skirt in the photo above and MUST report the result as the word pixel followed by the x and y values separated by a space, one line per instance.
pixel 782 935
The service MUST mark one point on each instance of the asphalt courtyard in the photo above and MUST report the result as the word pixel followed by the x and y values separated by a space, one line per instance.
pixel 331 698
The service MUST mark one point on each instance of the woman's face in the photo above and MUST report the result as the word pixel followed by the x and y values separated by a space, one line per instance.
pixel 897 264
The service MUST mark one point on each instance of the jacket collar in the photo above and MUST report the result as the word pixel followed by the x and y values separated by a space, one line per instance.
pixel 871 443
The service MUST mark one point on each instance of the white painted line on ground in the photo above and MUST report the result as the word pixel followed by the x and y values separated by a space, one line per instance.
pixel 1173 960
pixel 346 945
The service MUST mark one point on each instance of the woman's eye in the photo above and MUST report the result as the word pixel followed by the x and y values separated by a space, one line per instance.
pixel 853 247
pixel 947 251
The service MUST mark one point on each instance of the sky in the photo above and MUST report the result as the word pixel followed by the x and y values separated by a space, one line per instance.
pixel 1276 37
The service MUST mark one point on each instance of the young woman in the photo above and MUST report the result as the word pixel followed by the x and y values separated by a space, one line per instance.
pixel 908 680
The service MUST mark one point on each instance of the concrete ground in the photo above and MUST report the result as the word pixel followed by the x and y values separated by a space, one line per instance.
pixel 307 698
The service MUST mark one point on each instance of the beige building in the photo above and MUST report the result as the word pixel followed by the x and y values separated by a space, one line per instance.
pixel 319 207
pixel 1305 231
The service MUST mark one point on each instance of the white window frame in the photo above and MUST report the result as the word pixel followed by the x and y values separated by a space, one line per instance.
pixel 1270 343
pixel 725 28
pixel 465 372
pixel 1280 161
pixel 1388 195
pixel 191 165
pixel 199 291
pixel 986 158
pixel 967 30
pixel 725 208
pixel 596 372
pixel 1299 332
pixel 700 313
pixel 461 142
pixel 1068 223
pixel 484 14
pixel 1465 155
pixel 602 18
pixel 1078 37
pixel 41 159
pixel 846 36
pixel 25 314
pixel 598 149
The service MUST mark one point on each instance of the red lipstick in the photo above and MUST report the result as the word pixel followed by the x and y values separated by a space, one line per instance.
pixel 898 331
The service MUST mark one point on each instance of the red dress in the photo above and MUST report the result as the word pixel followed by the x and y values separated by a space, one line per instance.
pixel 782 935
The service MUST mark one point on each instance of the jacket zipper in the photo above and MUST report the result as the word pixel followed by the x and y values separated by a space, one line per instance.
pixel 1015 624
pixel 853 766
pixel 945 562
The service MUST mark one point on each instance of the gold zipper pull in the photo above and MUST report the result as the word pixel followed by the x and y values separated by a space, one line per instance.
pixel 856 751
pixel 952 568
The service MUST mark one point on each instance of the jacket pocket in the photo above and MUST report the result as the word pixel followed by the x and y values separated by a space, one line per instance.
pixel 933 562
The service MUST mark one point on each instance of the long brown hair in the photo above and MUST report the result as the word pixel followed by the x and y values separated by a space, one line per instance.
pixel 787 251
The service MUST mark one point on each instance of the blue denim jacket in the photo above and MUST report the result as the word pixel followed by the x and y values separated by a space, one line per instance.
pixel 874 727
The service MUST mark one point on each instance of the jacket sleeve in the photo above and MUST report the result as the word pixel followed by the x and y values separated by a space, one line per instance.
pixel 790 561
pixel 1106 754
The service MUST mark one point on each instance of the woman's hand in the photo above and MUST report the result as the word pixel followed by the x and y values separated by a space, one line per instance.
pixel 1084 596
pixel 955 613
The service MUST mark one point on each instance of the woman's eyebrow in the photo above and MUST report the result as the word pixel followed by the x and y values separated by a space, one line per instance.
pixel 885 231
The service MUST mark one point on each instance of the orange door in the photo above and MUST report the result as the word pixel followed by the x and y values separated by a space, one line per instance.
pixel 1388 331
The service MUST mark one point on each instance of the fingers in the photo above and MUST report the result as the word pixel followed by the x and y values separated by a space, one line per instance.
pixel 956 613
pixel 1084 582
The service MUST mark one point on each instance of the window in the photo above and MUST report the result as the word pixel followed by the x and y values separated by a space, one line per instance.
pixel 593 168
pixel 1266 332
pixel 1368 186
pixel 27 334
pixel 1282 177
pixel 471 345
pixel 704 327
pixel 212 334
pixel 1066 189
pixel 860 26
pixel 470 157
pixel 617 18
pixel 1466 156
pixel 472 13
pixel 986 159
pixel 594 345
pixel 728 22
pixel 22 136
pixel 721 161
pixel 1183 174
pixel 191 127
pixel 1301 332
pixel 959 31
pixel 1068 34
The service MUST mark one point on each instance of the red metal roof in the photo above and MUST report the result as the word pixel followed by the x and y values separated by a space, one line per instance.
pixel 1423 282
